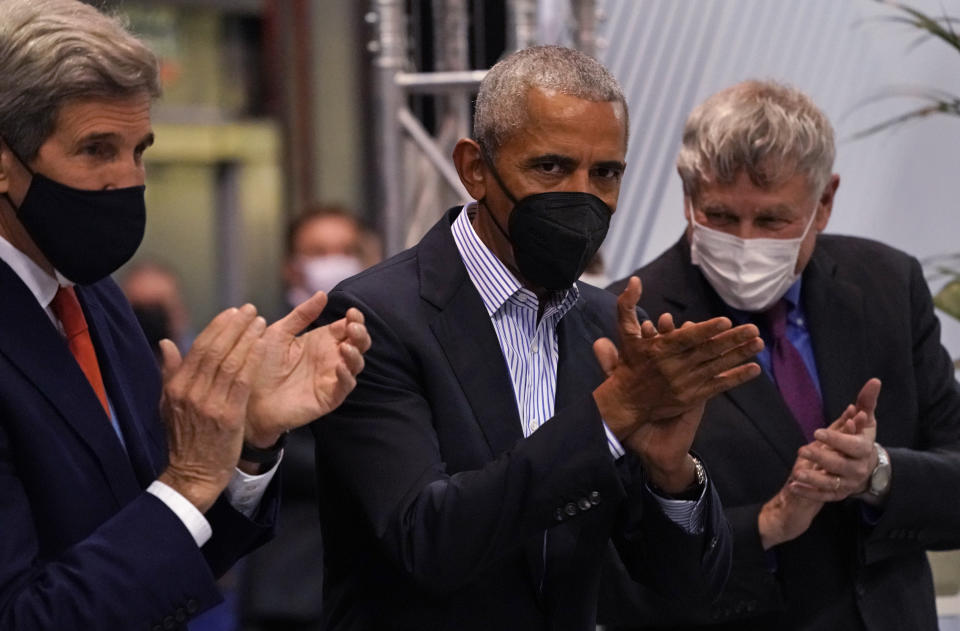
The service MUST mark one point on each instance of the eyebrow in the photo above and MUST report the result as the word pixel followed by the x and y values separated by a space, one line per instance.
pixel 112 136
pixel 564 161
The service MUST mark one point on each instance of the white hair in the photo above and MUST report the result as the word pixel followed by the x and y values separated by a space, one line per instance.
pixel 501 107
pixel 54 51
pixel 766 129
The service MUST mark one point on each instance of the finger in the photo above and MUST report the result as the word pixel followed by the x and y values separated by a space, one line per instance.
pixel 810 493
pixel 695 336
pixel 845 416
pixel 607 355
pixel 627 308
pixel 352 358
pixel 706 371
pixel 171 359
pixel 729 379
pixel 211 354
pixel 242 385
pixel 867 399
pixel 648 329
pixel 665 323
pixel 358 335
pixel 232 366
pixel 849 445
pixel 206 337
pixel 302 316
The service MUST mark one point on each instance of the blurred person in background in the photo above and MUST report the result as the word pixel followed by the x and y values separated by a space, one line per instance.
pixel 831 523
pixel 120 506
pixel 153 291
pixel 281 585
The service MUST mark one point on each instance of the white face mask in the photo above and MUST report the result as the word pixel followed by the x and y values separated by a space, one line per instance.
pixel 322 273
pixel 748 274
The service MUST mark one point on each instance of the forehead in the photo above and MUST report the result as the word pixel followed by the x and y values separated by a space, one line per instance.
pixel 565 124
pixel 101 116
pixel 744 197
pixel 330 233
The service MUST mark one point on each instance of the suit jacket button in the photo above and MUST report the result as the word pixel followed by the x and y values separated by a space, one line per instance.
pixel 584 504
pixel 192 606
pixel 594 497
pixel 570 509
pixel 713 542
pixel 558 515
pixel 169 623
pixel 180 615
pixel 157 627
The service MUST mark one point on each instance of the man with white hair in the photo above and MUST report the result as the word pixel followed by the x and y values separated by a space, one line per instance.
pixel 119 507
pixel 834 488
pixel 488 457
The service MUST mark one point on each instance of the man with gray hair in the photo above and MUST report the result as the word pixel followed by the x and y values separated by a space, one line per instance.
pixel 834 489
pixel 488 456
pixel 108 521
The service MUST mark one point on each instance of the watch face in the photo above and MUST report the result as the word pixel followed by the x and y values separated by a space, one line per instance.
pixel 880 480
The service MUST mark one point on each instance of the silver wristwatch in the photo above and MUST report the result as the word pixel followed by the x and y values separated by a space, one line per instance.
pixel 880 478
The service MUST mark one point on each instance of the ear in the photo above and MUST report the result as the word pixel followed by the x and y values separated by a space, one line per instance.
pixel 826 202
pixel 5 158
pixel 471 168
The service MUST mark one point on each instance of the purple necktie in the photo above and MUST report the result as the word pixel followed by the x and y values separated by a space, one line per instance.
pixel 791 375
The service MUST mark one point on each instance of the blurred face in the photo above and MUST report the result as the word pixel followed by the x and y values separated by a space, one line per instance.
pixel 567 144
pixel 744 210
pixel 326 235
pixel 96 144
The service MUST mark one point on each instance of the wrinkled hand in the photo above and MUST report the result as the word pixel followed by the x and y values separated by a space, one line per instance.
pixel 660 380
pixel 204 403
pixel 302 378
pixel 843 455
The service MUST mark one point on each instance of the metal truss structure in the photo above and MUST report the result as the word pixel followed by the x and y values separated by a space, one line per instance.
pixel 414 174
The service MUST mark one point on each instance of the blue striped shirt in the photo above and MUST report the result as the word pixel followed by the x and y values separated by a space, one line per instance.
pixel 530 347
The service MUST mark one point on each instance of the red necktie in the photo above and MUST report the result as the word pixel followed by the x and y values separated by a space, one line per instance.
pixel 790 372
pixel 67 309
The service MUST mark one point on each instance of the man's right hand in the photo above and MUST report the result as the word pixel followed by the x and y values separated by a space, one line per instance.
pixel 659 380
pixel 204 403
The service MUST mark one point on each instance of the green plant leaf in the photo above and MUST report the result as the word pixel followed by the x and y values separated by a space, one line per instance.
pixel 948 299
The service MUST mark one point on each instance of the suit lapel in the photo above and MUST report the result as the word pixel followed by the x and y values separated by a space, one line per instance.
pixel 577 364
pixel 835 316
pixel 121 397
pixel 758 399
pixel 34 346
pixel 465 333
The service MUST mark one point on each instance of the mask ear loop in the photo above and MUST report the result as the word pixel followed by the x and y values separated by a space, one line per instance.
pixel 503 187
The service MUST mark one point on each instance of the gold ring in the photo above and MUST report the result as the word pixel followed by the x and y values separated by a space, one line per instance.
pixel 836 483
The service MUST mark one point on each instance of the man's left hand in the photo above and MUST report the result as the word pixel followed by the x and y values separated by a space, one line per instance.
pixel 304 377
pixel 843 454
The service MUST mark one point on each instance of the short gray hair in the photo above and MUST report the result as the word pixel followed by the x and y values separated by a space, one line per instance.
pixel 54 51
pixel 769 130
pixel 501 103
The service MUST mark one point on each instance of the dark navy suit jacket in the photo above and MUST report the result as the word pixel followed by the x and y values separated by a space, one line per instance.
pixel 434 505
pixel 869 314
pixel 82 545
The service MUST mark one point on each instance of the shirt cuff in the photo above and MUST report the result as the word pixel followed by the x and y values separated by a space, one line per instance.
pixel 191 517
pixel 244 491
pixel 616 449
pixel 688 514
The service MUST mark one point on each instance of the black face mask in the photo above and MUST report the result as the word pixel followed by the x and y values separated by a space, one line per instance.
pixel 554 234
pixel 86 235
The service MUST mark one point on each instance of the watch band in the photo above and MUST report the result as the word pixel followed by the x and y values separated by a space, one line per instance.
pixel 260 455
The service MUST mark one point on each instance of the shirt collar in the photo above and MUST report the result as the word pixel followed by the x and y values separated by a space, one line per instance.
pixel 42 285
pixel 494 281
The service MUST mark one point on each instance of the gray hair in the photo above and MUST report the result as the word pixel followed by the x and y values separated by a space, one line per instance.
pixel 769 130
pixel 53 51
pixel 501 103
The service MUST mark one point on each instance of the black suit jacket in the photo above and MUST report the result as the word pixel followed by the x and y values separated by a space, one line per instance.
pixel 434 506
pixel 869 314
pixel 83 546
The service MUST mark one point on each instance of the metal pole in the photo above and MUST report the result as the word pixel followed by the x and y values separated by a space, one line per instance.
pixel 521 24
pixel 390 58
pixel 585 35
